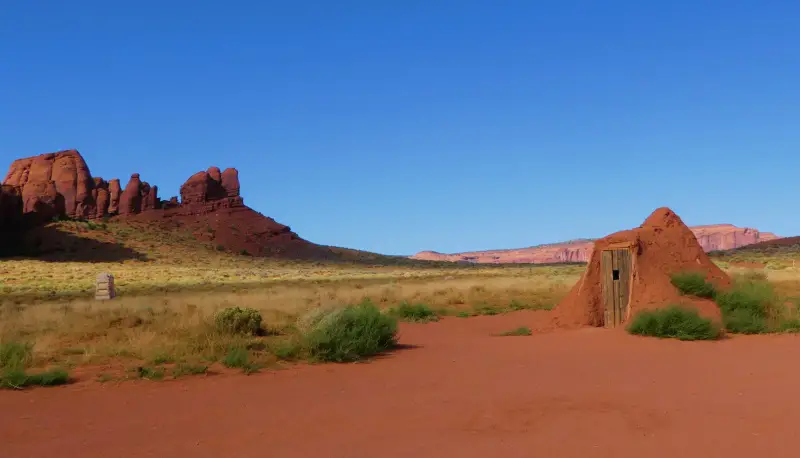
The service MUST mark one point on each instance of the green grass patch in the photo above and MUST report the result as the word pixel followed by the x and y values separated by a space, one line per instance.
pixel 674 322
pixel 351 334
pixel 19 378
pixel 520 331
pixel 15 355
pixel 693 284
pixel 287 350
pixel 415 313
pixel 236 358
pixel 748 306
pixel 239 358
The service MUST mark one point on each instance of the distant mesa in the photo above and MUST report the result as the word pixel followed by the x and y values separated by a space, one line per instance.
pixel 710 237
pixel 39 189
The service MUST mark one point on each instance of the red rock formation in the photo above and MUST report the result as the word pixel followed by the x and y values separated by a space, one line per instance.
pixel 215 174
pixel 149 196
pixel 101 197
pixel 230 182
pixel 138 197
pixel 575 251
pixel 195 188
pixel 74 182
pixel 114 194
pixel 712 237
pixel 210 185
pixel 727 236
pixel 211 207
pixel 54 184
pixel 130 202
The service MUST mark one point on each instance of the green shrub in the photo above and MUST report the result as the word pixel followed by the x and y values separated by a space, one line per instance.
pixel 351 334
pixel 236 358
pixel 521 331
pixel 240 358
pixel 674 322
pixel 417 313
pixel 236 320
pixel 286 349
pixel 15 355
pixel 743 321
pixel 693 284
pixel 746 306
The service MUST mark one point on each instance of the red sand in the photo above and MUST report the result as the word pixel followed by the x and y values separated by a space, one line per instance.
pixel 582 393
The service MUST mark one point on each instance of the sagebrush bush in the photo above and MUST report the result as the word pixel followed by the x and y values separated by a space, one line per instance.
pixel 747 306
pixel 693 284
pixel 352 333
pixel 238 320
pixel 674 322
pixel 417 313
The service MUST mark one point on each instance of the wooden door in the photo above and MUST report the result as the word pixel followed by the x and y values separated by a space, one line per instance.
pixel 616 272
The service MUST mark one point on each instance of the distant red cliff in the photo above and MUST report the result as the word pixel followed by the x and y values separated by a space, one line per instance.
pixel 711 238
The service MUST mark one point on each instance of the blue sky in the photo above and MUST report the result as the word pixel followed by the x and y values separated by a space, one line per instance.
pixel 400 126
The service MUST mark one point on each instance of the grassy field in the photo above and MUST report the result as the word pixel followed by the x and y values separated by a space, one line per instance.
pixel 171 290
pixel 162 323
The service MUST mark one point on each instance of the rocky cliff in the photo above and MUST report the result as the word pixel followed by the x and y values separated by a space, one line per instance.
pixel 710 237
pixel 38 189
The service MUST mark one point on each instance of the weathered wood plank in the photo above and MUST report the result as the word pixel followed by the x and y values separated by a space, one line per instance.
pixel 624 284
pixel 606 268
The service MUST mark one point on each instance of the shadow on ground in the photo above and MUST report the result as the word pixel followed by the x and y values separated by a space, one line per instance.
pixel 49 243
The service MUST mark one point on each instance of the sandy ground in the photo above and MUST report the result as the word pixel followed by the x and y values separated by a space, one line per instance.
pixel 459 392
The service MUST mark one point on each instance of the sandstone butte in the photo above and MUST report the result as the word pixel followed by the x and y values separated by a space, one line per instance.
pixel 711 237
pixel 38 189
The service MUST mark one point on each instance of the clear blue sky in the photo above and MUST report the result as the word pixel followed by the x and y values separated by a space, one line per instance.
pixel 399 126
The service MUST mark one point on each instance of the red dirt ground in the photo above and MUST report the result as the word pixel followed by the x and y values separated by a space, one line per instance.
pixel 461 392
